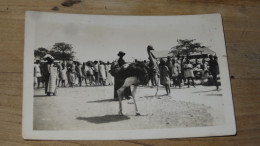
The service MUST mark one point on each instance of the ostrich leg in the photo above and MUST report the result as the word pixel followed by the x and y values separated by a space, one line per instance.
pixel 133 93
pixel 128 82
pixel 120 92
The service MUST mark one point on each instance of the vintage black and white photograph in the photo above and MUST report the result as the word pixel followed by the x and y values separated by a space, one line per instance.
pixel 125 77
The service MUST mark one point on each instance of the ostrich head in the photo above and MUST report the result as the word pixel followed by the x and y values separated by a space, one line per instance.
pixel 149 48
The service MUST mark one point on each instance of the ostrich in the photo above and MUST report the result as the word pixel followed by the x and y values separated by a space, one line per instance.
pixel 132 74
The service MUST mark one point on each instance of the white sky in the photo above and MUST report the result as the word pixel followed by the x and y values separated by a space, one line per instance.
pixel 102 37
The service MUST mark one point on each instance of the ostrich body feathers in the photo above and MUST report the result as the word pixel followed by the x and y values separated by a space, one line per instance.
pixel 137 69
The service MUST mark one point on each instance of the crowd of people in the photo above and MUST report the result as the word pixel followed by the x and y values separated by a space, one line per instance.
pixel 173 72
pixel 181 71
pixel 53 74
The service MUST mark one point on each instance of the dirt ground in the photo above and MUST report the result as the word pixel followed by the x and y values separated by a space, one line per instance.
pixel 93 108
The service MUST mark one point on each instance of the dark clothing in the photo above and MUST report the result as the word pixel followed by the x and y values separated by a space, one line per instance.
pixel 45 75
pixel 169 65
pixel 213 67
pixel 121 62
pixel 118 83
pixel 214 70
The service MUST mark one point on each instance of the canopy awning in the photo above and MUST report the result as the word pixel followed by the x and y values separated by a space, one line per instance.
pixel 162 54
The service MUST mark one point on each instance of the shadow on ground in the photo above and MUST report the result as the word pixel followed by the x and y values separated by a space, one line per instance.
pixel 157 96
pixel 204 91
pixel 214 94
pixel 41 96
pixel 103 100
pixel 104 119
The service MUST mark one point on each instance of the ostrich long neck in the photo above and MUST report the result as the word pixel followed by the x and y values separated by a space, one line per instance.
pixel 153 60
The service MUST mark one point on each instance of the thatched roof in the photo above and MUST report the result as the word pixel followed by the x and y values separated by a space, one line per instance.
pixel 206 51
pixel 162 54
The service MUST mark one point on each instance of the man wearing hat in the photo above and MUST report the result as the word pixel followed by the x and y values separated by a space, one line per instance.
pixel 118 83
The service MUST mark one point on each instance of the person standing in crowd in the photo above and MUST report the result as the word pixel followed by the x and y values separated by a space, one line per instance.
pixel 169 65
pixel 204 65
pixel 72 74
pixel 176 71
pixel 90 73
pixel 181 75
pixel 109 76
pixel 165 76
pixel 118 83
pixel 204 73
pixel 63 75
pixel 45 75
pixel 37 74
pixel 102 73
pixel 68 67
pixel 83 78
pixel 214 69
pixel 59 80
pixel 188 72
pixel 79 73
pixel 96 73
pixel 84 73
pixel 50 85
pixel 152 74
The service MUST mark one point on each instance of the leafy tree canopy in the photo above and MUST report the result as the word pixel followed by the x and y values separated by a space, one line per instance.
pixel 62 51
pixel 186 46
pixel 40 52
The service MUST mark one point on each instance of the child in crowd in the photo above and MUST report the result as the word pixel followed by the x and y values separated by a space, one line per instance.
pixel 63 75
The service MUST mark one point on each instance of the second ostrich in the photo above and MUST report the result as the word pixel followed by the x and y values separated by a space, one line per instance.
pixel 132 74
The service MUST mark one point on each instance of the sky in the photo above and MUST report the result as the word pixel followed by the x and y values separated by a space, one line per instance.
pixel 102 37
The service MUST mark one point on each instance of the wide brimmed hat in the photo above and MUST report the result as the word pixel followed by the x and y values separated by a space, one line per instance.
pixel 120 53
pixel 48 56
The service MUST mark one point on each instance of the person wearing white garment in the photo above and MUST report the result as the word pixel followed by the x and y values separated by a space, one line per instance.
pixel 102 73
pixel 109 76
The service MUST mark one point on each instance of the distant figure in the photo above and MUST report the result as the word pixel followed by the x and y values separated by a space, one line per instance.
pixel 109 76
pixel 165 76
pixel 72 74
pixel 152 74
pixel 188 72
pixel 50 85
pixel 181 75
pixel 176 71
pixel 79 73
pixel 37 74
pixel 96 72
pixel 63 75
pixel 90 73
pixel 102 73
pixel 214 69
pixel 169 65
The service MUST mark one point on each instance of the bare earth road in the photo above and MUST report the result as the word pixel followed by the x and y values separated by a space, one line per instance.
pixel 93 108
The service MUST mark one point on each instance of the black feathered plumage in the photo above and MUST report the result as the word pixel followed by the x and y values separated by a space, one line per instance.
pixel 136 69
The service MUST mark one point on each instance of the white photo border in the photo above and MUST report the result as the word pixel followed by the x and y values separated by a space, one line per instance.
pixel 229 128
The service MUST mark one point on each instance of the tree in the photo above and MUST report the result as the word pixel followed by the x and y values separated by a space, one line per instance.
pixel 186 47
pixel 40 52
pixel 62 51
